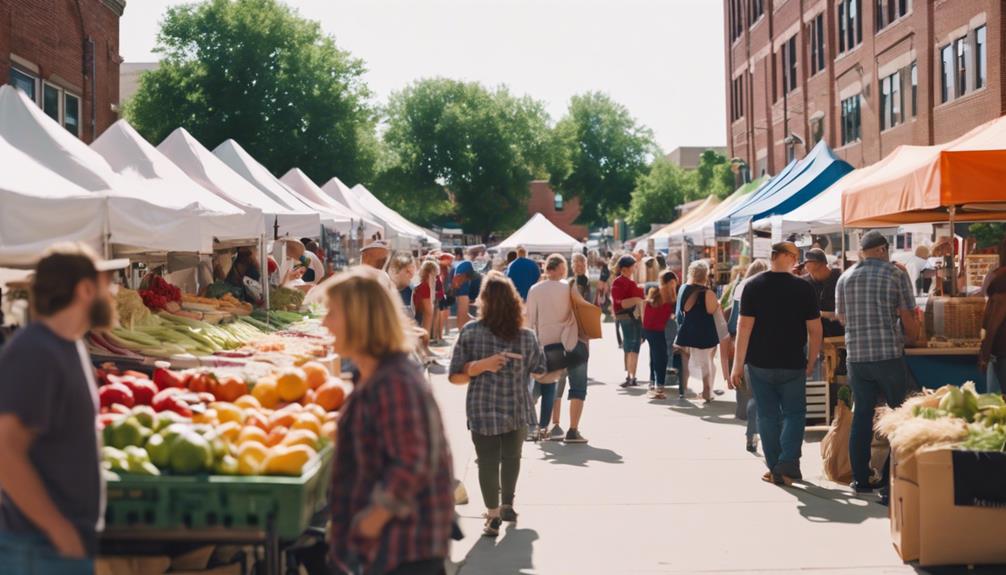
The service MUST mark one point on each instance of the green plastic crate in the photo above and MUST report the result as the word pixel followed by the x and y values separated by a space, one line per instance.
pixel 219 501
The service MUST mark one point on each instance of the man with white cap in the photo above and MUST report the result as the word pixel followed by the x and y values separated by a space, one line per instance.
pixel 375 254
pixel 870 299
pixel 52 500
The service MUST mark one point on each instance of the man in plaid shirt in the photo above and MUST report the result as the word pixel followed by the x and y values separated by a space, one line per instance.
pixel 871 298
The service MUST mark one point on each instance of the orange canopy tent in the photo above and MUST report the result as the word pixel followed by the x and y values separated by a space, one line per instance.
pixel 962 180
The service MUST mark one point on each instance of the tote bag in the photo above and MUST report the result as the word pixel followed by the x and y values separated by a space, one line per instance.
pixel 588 317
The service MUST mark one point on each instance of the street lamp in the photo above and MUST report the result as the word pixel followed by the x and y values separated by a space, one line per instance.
pixel 791 140
pixel 739 167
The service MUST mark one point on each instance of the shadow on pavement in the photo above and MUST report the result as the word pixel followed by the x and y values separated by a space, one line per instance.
pixel 577 455
pixel 822 505
pixel 511 554
pixel 717 411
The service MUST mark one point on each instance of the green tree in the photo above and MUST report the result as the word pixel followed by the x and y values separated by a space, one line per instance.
pixel 255 71
pixel 658 194
pixel 714 176
pixel 600 151
pixel 461 143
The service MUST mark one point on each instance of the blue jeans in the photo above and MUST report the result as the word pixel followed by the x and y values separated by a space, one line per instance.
pixel 868 379
pixel 658 354
pixel 24 553
pixel 781 395
pixel 547 393
pixel 631 334
pixel 752 410
pixel 995 375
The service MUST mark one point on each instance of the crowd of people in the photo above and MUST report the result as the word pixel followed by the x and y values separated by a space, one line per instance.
pixel 392 492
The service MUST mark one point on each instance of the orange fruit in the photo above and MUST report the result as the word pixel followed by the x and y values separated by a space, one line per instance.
pixel 276 435
pixel 317 410
pixel 252 434
pixel 258 420
pixel 266 391
pixel 282 418
pixel 307 420
pixel 291 384
pixel 229 431
pixel 301 437
pixel 315 373
pixel 328 430
pixel 208 416
pixel 247 402
pixel 251 456
pixel 288 460
pixel 228 412
pixel 330 396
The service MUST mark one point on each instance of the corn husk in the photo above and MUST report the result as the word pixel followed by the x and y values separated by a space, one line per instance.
pixel 908 434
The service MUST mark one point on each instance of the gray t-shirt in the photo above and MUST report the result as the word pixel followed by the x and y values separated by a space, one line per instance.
pixel 44 382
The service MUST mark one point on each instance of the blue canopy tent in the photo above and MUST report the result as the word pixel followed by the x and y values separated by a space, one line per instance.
pixel 722 223
pixel 794 186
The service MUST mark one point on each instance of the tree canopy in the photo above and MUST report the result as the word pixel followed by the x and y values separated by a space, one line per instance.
pixel 255 71
pixel 600 152
pixel 459 146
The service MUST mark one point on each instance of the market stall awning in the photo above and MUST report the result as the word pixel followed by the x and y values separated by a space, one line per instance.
pixel 303 186
pixel 135 222
pixel 703 231
pixel 401 236
pixel 239 160
pixel 137 161
pixel 213 174
pixel 539 235
pixel 386 214
pixel 921 182
pixel 786 192
pixel 697 213
pixel 41 208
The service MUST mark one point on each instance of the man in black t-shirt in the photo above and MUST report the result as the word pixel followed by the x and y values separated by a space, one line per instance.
pixel 52 505
pixel 823 279
pixel 779 320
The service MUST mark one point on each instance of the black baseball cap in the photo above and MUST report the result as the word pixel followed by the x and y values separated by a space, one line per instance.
pixel 872 239
pixel 815 255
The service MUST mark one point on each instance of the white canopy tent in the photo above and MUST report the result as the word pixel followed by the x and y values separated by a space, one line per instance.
pixel 133 220
pixel 41 208
pixel 137 161
pixel 213 174
pixel 298 182
pixel 398 236
pixel 539 235
pixel 239 160
pixel 391 217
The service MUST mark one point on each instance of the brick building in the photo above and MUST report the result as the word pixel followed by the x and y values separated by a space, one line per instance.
pixel 864 75
pixel 65 55
pixel 688 157
pixel 561 212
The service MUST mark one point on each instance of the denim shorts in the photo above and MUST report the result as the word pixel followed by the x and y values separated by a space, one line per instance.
pixel 632 334
pixel 25 553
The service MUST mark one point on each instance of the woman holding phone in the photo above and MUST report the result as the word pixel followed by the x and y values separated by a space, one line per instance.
pixel 496 356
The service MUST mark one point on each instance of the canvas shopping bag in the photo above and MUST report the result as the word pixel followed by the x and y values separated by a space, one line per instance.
pixel 835 446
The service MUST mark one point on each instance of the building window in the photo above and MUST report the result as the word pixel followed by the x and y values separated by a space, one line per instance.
pixel 757 10
pixel 947 72
pixel 980 67
pixel 850 24
pixel 71 113
pixel 817 44
pixel 50 100
pixel 737 98
pixel 850 120
pixel 25 82
pixel 787 64
pixel 736 19
pixel 887 11
pixel 891 102
pixel 961 57
pixel 558 202
pixel 915 89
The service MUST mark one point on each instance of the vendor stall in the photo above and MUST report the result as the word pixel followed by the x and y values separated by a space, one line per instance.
pixel 375 206
pixel 303 186
pixel 540 236
pixel 400 235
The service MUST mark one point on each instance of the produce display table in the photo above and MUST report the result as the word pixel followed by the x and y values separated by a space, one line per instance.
pixel 934 367
pixel 218 509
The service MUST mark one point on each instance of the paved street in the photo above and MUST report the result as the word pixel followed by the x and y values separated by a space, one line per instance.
pixel 662 488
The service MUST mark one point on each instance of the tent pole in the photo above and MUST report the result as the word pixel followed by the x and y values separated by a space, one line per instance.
pixel 844 260
pixel 953 256
pixel 264 269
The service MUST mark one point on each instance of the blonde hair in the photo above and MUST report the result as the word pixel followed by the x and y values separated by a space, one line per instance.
pixel 756 267
pixel 554 262
pixel 375 318
pixel 651 268
pixel 429 269
pixel 698 271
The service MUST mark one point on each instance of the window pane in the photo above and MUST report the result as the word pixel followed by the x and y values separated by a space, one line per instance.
pixel 947 78
pixel 980 57
pixel 961 51
pixel 50 101
pixel 915 88
pixel 71 114
pixel 24 82
pixel 841 27
pixel 896 99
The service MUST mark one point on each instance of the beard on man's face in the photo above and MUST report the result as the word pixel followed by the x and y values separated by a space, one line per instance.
pixel 101 315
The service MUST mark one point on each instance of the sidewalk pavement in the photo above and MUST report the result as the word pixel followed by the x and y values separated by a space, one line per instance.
pixel 662 488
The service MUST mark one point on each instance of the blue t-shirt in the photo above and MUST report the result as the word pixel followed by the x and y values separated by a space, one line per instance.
pixel 524 273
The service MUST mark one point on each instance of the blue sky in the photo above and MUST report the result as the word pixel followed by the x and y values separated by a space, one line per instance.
pixel 662 59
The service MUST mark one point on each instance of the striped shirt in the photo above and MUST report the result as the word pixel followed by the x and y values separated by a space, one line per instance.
pixel 499 402
pixel 869 296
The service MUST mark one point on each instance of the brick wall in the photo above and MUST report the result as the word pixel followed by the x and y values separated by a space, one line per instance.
pixel 758 137
pixel 46 38
pixel 542 201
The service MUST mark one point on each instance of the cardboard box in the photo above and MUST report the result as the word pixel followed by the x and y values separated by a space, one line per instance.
pixel 139 565
pixel 952 533
pixel 904 506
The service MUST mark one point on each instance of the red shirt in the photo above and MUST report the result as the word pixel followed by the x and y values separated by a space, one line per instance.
pixel 655 318
pixel 440 289
pixel 623 288
pixel 419 294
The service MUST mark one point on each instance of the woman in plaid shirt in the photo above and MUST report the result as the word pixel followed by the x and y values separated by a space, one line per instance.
pixel 391 496
pixel 497 357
